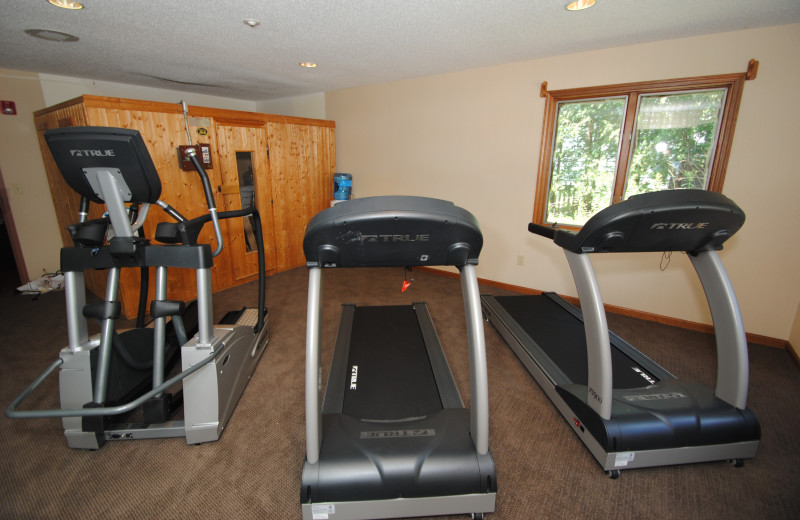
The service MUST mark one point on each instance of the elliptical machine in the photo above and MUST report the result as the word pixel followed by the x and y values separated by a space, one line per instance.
pixel 113 386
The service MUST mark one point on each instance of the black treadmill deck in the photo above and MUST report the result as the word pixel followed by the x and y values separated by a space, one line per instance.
pixel 563 340
pixel 390 376
pixel 651 409
pixel 393 427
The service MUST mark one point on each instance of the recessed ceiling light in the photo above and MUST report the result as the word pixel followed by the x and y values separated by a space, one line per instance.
pixel 308 64
pixel 250 22
pixel 579 5
pixel 53 36
pixel 66 4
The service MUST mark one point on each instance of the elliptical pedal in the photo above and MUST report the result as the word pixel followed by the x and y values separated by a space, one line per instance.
pixel 248 317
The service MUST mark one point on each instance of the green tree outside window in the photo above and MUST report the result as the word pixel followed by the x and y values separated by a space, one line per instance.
pixel 605 144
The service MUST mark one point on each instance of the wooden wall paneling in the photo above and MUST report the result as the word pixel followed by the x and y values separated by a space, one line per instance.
pixel 191 194
pixel 162 133
pixel 302 184
pixel 293 179
pixel 233 138
pixel 278 166
pixel 287 188
pixel 265 198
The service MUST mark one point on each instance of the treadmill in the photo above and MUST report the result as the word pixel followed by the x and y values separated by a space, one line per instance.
pixel 627 410
pixel 393 438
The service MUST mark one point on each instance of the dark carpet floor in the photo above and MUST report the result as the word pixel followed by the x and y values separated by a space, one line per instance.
pixel 253 471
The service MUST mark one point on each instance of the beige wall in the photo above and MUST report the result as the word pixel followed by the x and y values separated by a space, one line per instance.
pixel 311 106
pixel 473 138
pixel 24 177
pixel 56 89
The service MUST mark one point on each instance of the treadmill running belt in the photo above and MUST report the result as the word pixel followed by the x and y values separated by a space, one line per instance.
pixel 562 337
pixel 390 376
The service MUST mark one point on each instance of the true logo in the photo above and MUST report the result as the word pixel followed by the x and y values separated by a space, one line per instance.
pixel 395 238
pixel 679 225
pixel 354 377
pixel 393 434
pixel 644 375
pixel 92 153
pixel 654 397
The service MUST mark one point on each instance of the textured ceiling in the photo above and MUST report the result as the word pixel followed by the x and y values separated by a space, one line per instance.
pixel 204 46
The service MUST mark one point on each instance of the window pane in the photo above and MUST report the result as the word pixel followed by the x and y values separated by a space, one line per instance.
pixel 674 142
pixel 244 165
pixel 584 160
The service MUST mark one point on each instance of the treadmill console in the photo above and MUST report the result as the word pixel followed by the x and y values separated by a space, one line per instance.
pixel 392 231
pixel 673 220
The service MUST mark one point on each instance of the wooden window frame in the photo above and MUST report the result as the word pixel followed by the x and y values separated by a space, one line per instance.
pixel 733 83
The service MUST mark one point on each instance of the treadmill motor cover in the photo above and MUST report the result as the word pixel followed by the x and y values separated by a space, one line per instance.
pixel 392 231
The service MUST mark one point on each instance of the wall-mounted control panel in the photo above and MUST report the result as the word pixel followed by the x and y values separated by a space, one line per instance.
pixel 203 152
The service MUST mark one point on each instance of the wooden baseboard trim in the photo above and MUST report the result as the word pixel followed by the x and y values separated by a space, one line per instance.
pixel 648 316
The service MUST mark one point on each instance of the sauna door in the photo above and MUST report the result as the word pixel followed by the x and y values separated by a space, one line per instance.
pixel 244 173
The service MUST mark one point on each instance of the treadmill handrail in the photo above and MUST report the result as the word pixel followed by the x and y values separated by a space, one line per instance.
pixel 478 372
pixel 600 379
pixel 733 366
pixel 545 231
pixel 313 374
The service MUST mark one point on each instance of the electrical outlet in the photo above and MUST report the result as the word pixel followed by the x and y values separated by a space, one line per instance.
pixel 520 260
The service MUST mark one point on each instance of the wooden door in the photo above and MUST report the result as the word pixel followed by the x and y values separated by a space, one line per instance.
pixel 244 173
pixel 302 162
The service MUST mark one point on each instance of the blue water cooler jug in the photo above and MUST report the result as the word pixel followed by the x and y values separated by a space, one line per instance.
pixel 342 186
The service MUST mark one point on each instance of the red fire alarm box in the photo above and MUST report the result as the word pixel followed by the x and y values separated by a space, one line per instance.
pixel 203 153
pixel 9 108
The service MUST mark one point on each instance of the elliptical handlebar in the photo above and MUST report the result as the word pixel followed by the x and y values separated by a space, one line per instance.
pixel 191 153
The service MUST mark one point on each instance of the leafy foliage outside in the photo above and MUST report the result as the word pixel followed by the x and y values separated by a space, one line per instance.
pixel 672 149
pixel 674 142
pixel 584 162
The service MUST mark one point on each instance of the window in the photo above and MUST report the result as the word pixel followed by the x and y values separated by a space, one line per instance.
pixel 604 144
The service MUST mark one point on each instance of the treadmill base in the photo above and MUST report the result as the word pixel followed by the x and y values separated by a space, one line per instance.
pixel 401 507
pixel 610 461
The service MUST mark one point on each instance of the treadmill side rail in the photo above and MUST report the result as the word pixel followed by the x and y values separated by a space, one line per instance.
pixel 445 383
